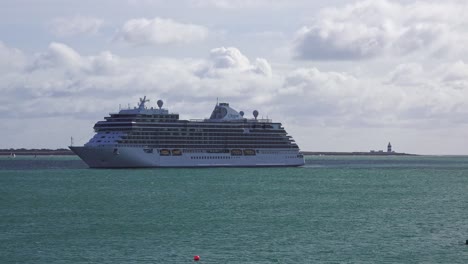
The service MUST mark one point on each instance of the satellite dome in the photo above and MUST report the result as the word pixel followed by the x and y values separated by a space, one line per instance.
pixel 160 103
pixel 255 114
pixel 241 113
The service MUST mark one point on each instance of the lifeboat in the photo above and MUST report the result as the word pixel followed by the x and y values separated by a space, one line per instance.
pixel 236 152
pixel 249 152
pixel 176 152
pixel 164 152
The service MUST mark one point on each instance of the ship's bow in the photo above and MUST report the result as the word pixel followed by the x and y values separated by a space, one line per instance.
pixel 93 157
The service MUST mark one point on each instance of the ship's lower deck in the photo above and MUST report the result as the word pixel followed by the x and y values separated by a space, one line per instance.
pixel 140 157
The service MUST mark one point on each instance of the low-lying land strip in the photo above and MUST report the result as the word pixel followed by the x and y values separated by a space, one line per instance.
pixel 64 151
pixel 374 153
pixel 32 152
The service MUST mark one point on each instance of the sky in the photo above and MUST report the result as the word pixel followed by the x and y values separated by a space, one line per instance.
pixel 339 75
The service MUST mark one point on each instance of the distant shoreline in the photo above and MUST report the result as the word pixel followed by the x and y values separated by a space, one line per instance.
pixel 39 152
pixel 376 153
pixel 62 151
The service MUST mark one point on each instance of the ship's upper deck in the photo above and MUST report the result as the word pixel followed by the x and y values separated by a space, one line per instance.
pixel 143 110
pixel 225 128
pixel 221 113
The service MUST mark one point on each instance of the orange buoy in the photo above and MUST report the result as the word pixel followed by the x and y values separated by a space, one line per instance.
pixel 196 258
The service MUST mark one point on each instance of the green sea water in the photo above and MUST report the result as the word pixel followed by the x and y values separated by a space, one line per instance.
pixel 332 210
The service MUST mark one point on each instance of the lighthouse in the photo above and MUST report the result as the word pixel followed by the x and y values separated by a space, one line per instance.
pixel 389 147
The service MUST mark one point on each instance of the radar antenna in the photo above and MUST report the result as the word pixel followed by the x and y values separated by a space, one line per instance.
pixel 160 104
pixel 143 100
pixel 255 114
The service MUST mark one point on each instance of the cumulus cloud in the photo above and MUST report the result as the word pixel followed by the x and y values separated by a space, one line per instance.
pixel 77 25
pixel 409 92
pixel 63 58
pixel 455 75
pixel 369 28
pixel 228 60
pixel 318 94
pixel 411 96
pixel 262 67
pixel 226 4
pixel 157 31
pixel 10 58
pixel 431 93
pixel 57 55
pixel 61 74
pixel 311 81
pixel 443 77
pixel 407 74
pixel 61 81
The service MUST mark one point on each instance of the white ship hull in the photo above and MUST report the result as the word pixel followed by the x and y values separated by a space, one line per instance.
pixel 136 157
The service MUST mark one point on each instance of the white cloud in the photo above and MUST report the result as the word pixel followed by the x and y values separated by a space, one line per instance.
pixel 157 31
pixel 262 67
pixel 62 82
pixel 371 28
pixel 445 77
pixel 318 94
pixel 225 61
pixel 61 75
pixel 243 4
pixel 455 75
pixel 63 58
pixel 407 74
pixel 77 25
pixel 407 70
pixel 229 58
pixel 409 96
pixel 224 4
pixel 11 59
pixel 58 55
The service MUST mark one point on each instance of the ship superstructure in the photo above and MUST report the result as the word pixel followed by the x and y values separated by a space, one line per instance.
pixel 153 137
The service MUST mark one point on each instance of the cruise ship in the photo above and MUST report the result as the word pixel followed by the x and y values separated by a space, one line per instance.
pixel 145 137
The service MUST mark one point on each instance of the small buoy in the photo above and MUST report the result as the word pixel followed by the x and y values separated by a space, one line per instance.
pixel 196 258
